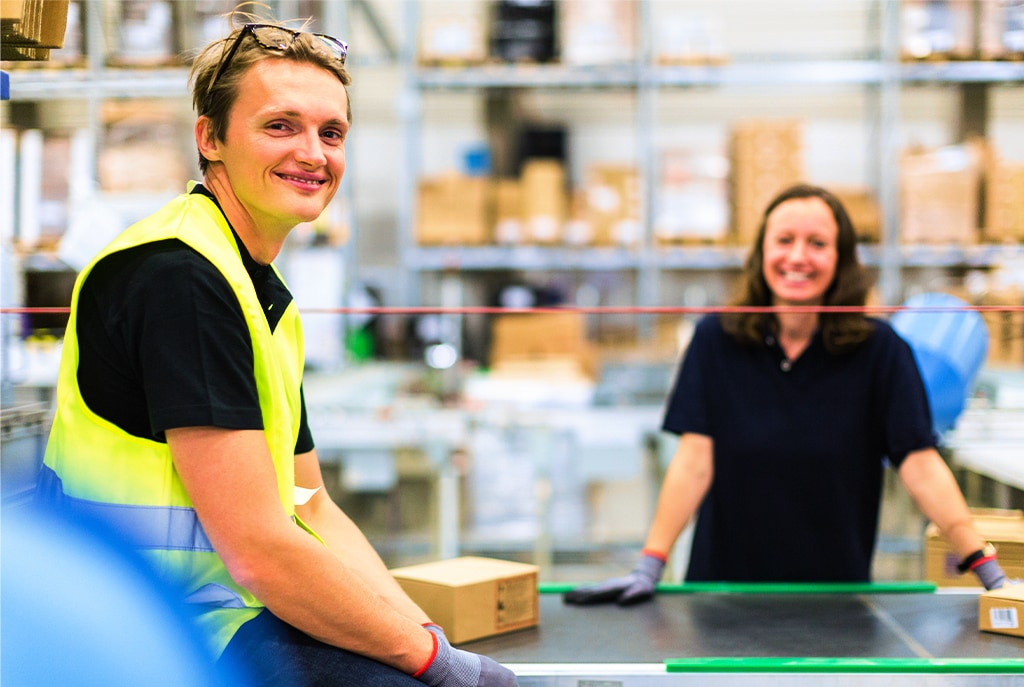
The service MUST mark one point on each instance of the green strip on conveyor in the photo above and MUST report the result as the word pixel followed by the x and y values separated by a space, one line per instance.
pixel 1004 666
pixel 774 588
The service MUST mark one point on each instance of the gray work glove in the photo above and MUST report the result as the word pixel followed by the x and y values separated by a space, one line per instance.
pixel 637 586
pixel 990 574
pixel 453 667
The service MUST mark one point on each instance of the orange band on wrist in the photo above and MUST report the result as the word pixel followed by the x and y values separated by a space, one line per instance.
pixel 657 554
pixel 978 562
pixel 433 655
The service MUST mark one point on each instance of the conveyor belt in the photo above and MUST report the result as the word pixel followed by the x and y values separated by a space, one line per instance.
pixel 778 636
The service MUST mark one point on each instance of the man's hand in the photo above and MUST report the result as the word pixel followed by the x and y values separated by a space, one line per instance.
pixel 634 588
pixel 453 667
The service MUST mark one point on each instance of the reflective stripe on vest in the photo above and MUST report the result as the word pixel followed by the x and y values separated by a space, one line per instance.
pixel 174 528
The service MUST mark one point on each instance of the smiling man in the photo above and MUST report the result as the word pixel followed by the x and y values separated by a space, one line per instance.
pixel 180 420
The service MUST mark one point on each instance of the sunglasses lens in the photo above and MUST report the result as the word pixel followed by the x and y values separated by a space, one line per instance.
pixel 337 49
pixel 273 37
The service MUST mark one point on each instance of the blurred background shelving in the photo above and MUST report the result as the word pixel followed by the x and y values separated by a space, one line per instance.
pixel 599 154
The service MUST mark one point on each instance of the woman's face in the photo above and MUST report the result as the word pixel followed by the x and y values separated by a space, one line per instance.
pixel 800 251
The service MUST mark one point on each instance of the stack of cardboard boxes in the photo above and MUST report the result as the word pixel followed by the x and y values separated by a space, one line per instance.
pixel 534 209
pixel 454 209
pixel 765 156
pixel 1004 201
pixel 940 194
pixel 1005 323
pixel 548 345
pixel 29 29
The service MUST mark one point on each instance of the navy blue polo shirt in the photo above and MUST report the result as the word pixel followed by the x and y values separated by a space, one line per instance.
pixel 798 451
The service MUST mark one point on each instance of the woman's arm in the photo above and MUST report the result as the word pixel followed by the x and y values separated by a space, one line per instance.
pixel 931 484
pixel 686 482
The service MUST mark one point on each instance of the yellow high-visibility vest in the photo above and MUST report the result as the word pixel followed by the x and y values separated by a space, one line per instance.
pixel 92 468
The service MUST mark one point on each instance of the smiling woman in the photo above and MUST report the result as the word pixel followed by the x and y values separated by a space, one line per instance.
pixel 787 416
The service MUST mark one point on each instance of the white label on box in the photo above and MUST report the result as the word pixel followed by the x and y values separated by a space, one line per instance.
pixel 1003 618
pixel 516 602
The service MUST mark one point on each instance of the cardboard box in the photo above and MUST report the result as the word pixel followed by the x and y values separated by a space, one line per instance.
pixel 940 194
pixel 508 211
pixel 1005 327
pixel 1002 610
pixel 547 345
pixel 1004 203
pixel 765 157
pixel 598 32
pixel 1004 528
pixel 544 200
pixel 865 214
pixel 612 204
pixel 453 39
pixel 472 597
pixel 30 28
pixel 454 209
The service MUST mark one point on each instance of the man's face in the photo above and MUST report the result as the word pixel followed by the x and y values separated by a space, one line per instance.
pixel 284 147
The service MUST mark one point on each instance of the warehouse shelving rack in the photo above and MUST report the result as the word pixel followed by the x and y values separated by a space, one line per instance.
pixel 884 74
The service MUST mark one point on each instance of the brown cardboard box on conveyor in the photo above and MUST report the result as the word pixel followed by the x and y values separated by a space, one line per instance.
pixel 1002 610
pixel 473 597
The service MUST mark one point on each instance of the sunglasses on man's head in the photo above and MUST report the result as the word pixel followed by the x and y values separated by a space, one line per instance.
pixel 273 37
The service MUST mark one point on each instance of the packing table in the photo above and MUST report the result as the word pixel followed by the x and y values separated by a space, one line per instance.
pixel 760 634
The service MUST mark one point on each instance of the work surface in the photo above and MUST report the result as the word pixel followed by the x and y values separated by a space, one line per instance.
pixel 918 638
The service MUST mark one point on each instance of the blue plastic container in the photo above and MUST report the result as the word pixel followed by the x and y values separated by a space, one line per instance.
pixel 950 344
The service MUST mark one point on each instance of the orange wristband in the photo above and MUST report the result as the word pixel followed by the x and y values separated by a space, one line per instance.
pixel 433 655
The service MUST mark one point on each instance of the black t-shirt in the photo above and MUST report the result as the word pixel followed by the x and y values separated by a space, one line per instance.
pixel 163 342
pixel 798 451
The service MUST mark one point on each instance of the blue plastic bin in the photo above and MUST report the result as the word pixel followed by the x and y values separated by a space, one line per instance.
pixel 950 344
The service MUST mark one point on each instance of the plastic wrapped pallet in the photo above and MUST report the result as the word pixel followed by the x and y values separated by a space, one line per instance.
pixel 693 198
pixel 598 32
pixel 937 29
pixel 1001 30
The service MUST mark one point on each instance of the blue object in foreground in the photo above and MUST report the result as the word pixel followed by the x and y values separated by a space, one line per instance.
pixel 80 609
pixel 950 343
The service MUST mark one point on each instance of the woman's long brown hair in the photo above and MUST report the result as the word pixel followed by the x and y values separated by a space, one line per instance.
pixel 840 331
